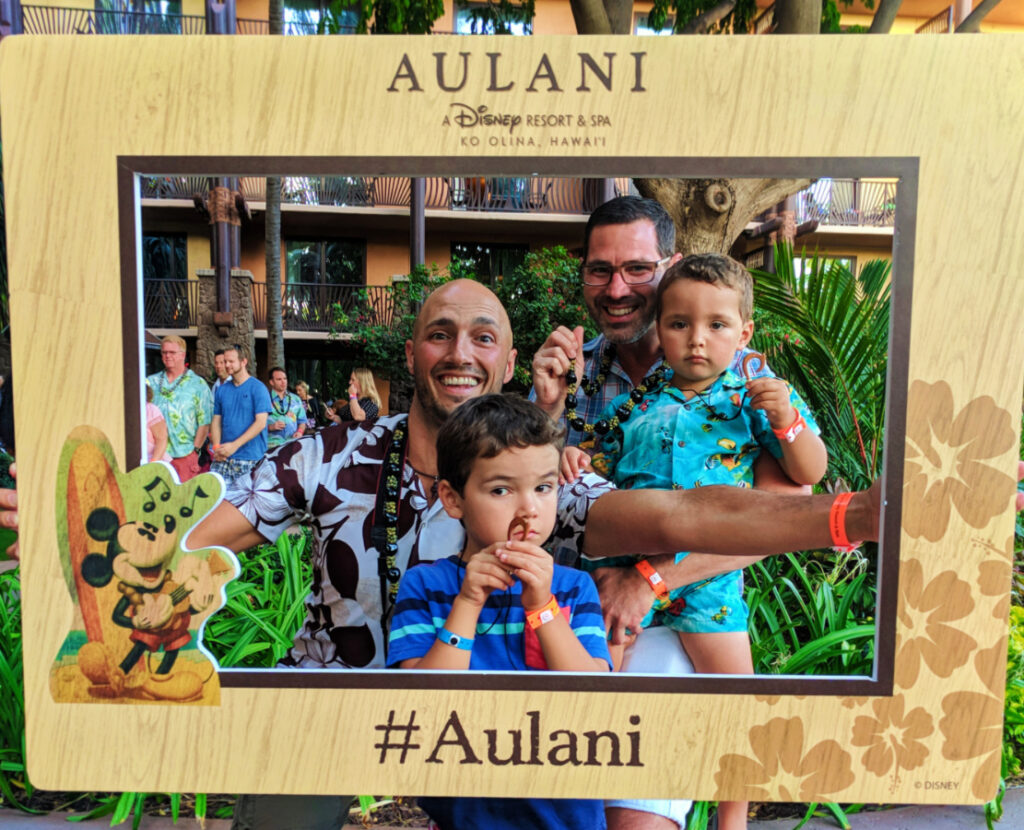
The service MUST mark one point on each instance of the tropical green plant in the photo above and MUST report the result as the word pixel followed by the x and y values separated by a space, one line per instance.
pixel 15 787
pixel 828 335
pixel 265 604
pixel 812 614
pixel 545 292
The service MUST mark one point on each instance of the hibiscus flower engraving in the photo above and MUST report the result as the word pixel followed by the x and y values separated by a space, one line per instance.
pixel 944 466
pixel 990 663
pixel 925 613
pixel 780 769
pixel 892 737
pixel 972 725
pixel 994 575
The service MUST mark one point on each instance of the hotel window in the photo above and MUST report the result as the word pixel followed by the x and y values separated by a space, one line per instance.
pixel 641 26
pixel 501 18
pixel 149 17
pixel 306 17
pixel 490 260
pixel 326 261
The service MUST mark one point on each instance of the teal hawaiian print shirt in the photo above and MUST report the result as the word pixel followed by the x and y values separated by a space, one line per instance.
pixel 287 409
pixel 186 404
pixel 670 442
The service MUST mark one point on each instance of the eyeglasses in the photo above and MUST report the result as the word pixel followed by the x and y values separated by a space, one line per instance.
pixel 636 272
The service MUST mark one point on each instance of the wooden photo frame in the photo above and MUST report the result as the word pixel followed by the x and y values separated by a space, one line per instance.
pixel 96 113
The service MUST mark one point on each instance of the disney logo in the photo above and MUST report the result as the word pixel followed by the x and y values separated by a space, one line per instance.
pixel 466 116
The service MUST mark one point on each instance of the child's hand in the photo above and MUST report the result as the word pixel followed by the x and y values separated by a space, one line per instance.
pixel 574 462
pixel 772 396
pixel 484 573
pixel 531 565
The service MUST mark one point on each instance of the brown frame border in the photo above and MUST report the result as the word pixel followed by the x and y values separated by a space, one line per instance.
pixel 906 169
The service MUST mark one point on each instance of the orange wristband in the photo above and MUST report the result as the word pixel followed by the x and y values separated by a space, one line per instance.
pixel 543 615
pixel 655 581
pixel 837 520
pixel 790 433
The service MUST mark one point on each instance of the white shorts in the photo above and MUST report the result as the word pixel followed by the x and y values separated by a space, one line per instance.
pixel 656 651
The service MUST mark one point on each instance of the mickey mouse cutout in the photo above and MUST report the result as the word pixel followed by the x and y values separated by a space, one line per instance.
pixel 141 597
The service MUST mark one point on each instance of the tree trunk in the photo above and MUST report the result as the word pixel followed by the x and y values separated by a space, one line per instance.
pixel 797 17
pixel 275 335
pixel 702 22
pixel 710 214
pixel 602 17
pixel 885 15
pixel 972 23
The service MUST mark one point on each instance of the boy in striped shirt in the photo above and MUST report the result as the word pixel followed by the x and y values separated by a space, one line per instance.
pixel 501 604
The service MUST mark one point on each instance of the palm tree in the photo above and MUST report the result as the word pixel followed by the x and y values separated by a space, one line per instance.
pixel 275 336
pixel 827 333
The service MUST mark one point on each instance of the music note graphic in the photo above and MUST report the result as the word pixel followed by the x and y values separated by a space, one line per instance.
pixel 149 505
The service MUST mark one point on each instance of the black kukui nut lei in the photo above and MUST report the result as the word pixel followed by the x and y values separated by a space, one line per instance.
pixel 624 410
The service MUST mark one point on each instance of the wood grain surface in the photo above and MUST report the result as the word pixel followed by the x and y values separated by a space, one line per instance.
pixel 71 106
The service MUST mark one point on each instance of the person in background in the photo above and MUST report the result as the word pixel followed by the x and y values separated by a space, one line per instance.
pixel 186 403
pixel 220 367
pixel 156 431
pixel 287 415
pixel 238 433
pixel 363 399
pixel 312 406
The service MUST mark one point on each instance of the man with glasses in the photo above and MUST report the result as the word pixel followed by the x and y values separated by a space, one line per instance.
pixel 628 244
pixel 186 403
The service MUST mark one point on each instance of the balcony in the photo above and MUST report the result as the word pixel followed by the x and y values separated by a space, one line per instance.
pixel 305 307
pixel 314 307
pixel 497 194
pixel 170 304
pixel 832 202
pixel 863 203
pixel 59 20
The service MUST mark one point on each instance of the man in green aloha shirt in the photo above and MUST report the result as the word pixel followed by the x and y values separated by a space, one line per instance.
pixel 287 414
pixel 187 405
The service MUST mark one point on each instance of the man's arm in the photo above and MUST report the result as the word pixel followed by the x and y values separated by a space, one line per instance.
pixel 215 431
pixel 626 595
pixel 254 429
pixel 200 438
pixel 722 520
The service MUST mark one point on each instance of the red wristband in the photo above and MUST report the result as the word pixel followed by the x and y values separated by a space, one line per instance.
pixel 790 433
pixel 837 520
pixel 655 581
pixel 543 615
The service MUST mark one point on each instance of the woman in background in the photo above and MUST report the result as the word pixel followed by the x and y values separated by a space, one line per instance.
pixel 363 399
pixel 312 405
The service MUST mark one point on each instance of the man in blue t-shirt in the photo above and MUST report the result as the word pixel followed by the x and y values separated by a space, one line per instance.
pixel 239 429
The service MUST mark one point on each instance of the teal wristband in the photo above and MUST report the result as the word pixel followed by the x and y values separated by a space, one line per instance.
pixel 450 638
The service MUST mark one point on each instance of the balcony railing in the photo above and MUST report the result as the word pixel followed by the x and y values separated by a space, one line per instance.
pixel 502 194
pixel 173 304
pixel 830 201
pixel 58 20
pixel 849 202
pixel 170 304
pixel 311 306
pixel 942 23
